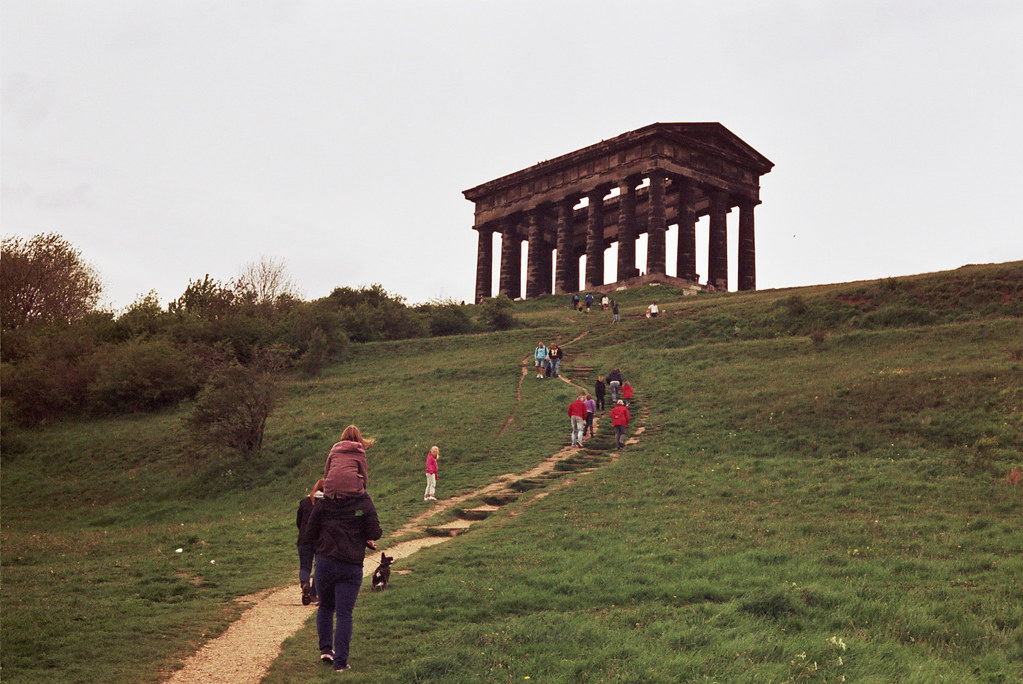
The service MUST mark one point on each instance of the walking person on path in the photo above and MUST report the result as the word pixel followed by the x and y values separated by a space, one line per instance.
pixel 306 551
pixel 589 301
pixel 556 355
pixel 431 474
pixel 577 413
pixel 598 391
pixel 627 393
pixel 540 355
pixel 591 409
pixel 614 311
pixel 620 421
pixel 341 529
pixel 614 381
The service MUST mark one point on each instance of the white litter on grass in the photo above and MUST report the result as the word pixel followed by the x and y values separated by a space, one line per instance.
pixel 178 550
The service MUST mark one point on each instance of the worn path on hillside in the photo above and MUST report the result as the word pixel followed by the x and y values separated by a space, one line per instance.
pixel 245 651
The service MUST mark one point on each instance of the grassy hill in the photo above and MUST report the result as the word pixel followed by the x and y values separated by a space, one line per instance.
pixel 819 492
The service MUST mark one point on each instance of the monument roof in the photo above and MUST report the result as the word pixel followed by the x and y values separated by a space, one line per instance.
pixel 710 137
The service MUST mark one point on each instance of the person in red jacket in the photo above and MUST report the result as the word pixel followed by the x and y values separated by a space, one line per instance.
pixel 577 412
pixel 627 393
pixel 620 421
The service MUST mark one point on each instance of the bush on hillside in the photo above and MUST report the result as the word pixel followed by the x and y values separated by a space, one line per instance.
pixel 447 318
pixel 142 376
pixel 495 313
pixel 233 407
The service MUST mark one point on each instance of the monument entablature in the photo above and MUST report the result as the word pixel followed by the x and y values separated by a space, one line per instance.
pixel 639 182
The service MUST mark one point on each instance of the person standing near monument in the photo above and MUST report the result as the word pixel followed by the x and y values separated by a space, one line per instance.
pixel 575 302
pixel 577 414
pixel 589 301
pixel 614 311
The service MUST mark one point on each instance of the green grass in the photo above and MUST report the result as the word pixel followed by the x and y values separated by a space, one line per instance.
pixel 790 495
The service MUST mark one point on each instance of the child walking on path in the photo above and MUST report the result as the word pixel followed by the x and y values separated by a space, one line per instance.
pixel 431 474
pixel 627 393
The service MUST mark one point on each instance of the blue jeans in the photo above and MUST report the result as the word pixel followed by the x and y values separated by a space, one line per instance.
pixel 613 385
pixel 578 429
pixel 305 563
pixel 557 368
pixel 337 585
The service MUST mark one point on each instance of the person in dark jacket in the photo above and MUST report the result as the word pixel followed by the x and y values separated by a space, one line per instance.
pixel 598 392
pixel 614 382
pixel 307 550
pixel 342 529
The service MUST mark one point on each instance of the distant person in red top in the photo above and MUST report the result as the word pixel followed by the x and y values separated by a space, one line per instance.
pixel 577 412
pixel 627 393
pixel 431 474
pixel 620 421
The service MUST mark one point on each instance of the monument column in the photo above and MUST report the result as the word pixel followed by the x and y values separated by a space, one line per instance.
pixel 656 225
pixel 686 266
pixel 563 276
pixel 627 228
pixel 717 263
pixel 511 260
pixel 534 264
pixel 747 247
pixel 484 262
pixel 595 237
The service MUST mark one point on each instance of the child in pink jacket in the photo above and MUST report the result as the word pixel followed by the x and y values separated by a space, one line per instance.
pixel 431 474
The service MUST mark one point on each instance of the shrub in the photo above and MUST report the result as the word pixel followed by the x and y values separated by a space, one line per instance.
pixel 142 376
pixel 495 313
pixel 448 319
pixel 232 409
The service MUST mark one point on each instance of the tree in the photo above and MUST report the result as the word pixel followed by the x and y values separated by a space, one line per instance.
pixel 265 283
pixel 232 409
pixel 44 280
pixel 204 299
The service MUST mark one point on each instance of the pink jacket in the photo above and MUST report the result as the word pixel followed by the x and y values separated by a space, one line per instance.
pixel 431 464
pixel 345 474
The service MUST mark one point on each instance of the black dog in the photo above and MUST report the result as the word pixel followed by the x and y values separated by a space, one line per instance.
pixel 382 573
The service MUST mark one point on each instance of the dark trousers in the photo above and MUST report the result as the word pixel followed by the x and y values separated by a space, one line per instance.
pixel 306 552
pixel 337 585
pixel 600 402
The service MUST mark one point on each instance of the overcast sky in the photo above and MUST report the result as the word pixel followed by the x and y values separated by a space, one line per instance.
pixel 168 139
